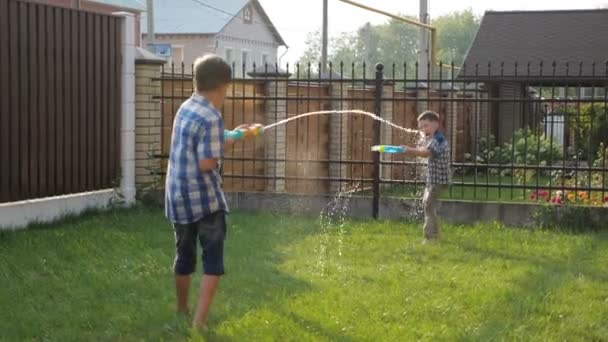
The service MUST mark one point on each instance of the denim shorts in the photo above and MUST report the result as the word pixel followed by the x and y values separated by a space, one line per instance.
pixel 210 232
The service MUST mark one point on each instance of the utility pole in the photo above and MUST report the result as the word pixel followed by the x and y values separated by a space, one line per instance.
pixel 324 38
pixel 150 39
pixel 423 40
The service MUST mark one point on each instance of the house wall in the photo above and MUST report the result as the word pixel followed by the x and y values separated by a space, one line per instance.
pixel 510 113
pixel 254 37
pixel 194 45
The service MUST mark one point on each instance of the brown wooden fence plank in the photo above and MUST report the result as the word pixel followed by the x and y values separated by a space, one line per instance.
pixel 90 41
pixel 60 113
pixel 14 96
pixel 103 95
pixel 112 82
pixel 118 100
pixel 75 103
pixel 23 113
pixel 66 169
pixel 52 102
pixel 4 105
pixel 83 102
pixel 98 99
pixel 34 96
pixel 43 117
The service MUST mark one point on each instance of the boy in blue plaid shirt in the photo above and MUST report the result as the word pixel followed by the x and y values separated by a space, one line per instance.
pixel 437 150
pixel 194 200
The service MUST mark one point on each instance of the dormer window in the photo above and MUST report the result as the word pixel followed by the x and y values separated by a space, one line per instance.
pixel 248 14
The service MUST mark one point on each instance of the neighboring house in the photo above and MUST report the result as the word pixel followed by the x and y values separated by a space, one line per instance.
pixel 238 30
pixel 530 38
pixel 103 6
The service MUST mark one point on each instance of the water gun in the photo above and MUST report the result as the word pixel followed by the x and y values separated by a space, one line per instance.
pixel 388 149
pixel 240 133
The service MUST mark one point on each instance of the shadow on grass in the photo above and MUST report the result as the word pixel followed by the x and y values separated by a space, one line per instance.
pixel 253 280
pixel 108 275
pixel 525 299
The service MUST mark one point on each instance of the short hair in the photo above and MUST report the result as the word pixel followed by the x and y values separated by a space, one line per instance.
pixel 429 115
pixel 211 72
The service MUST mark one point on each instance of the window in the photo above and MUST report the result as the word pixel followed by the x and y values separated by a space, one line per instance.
pixel 248 15
pixel 229 56
pixel 265 60
pixel 175 56
pixel 245 58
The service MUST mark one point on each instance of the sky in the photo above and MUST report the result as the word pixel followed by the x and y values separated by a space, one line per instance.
pixel 295 18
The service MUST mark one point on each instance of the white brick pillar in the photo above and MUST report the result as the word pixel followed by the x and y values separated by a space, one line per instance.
pixel 275 138
pixel 338 136
pixel 127 128
pixel 147 121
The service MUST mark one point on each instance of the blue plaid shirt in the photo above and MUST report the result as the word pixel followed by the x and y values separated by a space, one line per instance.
pixel 198 133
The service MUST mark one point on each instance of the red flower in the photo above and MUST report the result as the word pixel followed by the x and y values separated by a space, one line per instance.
pixel 543 193
pixel 605 199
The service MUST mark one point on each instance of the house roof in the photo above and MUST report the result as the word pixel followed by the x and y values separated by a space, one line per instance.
pixel 138 5
pixel 200 17
pixel 530 38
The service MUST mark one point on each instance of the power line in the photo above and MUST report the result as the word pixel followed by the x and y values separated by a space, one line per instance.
pixel 215 8
pixel 237 16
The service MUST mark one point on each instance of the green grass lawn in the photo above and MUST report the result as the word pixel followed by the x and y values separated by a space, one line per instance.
pixel 108 277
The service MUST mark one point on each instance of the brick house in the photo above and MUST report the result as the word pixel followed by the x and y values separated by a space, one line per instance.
pixel 519 55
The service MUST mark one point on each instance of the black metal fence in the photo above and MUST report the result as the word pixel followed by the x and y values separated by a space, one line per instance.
pixel 518 132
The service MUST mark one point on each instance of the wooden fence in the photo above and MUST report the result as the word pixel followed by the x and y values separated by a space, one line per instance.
pixel 308 140
pixel 59 100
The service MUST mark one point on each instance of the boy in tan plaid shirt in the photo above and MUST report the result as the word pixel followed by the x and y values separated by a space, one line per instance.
pixel 437 150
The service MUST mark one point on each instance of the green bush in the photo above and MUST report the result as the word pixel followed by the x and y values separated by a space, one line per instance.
pixel 487 153
pixel 527 147
pixel 589 123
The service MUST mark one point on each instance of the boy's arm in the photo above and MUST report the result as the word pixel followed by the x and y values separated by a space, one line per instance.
pixel 211 137
pixel 209 148
pixel 418 152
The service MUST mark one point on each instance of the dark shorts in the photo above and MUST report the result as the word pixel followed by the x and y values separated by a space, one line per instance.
pixel 210 232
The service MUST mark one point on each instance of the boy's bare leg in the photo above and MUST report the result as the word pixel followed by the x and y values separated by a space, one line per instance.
pixel 182 288
pixel 207 291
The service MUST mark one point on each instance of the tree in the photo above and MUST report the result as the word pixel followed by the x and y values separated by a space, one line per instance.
pixel 311 56
pixel 393 43
pixel 455 33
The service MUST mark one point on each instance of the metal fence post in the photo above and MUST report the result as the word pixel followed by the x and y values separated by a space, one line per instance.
pixel 377 110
